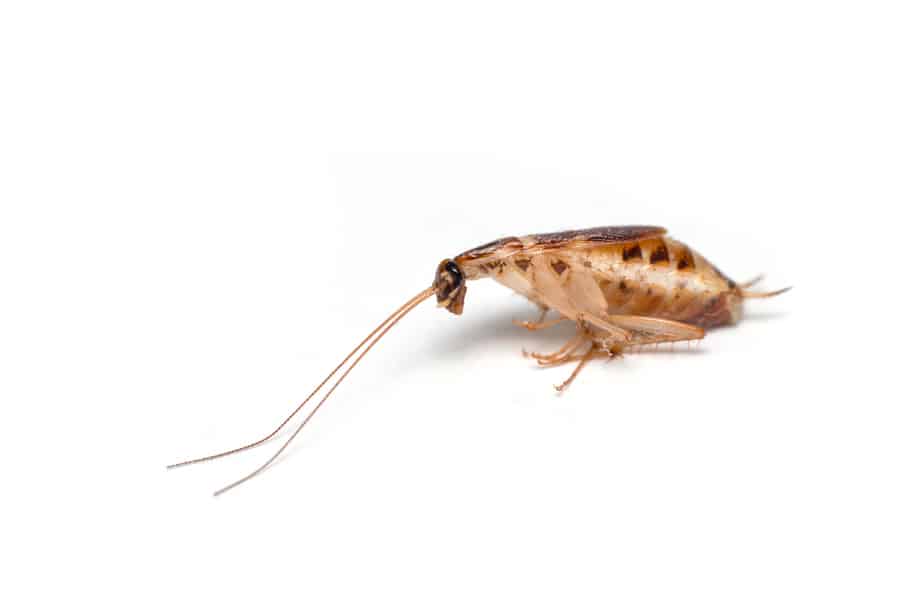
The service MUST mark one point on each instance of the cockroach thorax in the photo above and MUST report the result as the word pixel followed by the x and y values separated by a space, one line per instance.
pixel 450 286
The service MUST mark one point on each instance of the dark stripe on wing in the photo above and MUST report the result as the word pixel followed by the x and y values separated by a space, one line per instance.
pixel 602 235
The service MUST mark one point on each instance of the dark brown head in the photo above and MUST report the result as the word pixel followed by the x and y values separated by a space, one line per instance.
pixel 450 286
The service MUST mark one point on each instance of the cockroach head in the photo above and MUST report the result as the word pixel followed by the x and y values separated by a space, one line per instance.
pixel 450 286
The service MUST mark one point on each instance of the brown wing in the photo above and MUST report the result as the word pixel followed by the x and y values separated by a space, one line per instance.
pixel 593 236
pixel 599 235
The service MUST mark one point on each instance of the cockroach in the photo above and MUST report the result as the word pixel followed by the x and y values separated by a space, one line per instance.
pixel 624 287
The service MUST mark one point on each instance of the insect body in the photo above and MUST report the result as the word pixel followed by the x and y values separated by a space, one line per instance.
pixel 624 287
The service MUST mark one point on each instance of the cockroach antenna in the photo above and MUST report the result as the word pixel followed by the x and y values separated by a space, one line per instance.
pixel 377 333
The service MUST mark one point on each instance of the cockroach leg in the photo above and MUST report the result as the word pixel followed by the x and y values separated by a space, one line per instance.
pixel 536 325
pixel 571 357
pixel 562 358
pixel 569 346
pixel 585 359
pixel 579 338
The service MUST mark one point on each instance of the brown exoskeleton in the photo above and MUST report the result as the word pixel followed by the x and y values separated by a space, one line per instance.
pixel 624 287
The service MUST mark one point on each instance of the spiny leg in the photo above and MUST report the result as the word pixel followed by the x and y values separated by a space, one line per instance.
pixel 579 338
pixel 606 341
pixel 585 358
pixel 574 356
pixel 563 358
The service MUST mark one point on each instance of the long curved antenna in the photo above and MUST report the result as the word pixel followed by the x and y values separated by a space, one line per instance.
pixel 260 441
pixel 418 299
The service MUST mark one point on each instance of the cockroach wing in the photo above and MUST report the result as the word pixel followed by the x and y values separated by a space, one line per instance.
pixel 599 235
pixel 595 236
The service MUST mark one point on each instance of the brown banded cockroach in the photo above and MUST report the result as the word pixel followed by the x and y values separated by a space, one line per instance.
pixel 624 287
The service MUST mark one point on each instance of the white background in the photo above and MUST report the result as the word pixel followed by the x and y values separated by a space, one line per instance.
pixel 206 204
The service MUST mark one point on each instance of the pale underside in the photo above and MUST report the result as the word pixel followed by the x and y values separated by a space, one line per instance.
pixel 576 294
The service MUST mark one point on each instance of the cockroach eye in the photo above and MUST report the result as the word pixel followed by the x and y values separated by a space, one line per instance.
pixel 453 269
